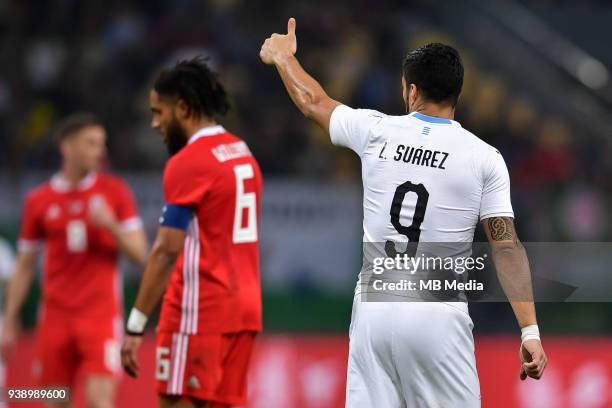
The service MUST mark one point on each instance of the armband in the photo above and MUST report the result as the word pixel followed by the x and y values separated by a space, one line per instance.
pixel 176 216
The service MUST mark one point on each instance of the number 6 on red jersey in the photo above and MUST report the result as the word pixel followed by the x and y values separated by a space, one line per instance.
pixel 244 201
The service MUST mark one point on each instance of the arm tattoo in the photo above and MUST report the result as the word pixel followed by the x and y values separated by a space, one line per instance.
pixel 501 229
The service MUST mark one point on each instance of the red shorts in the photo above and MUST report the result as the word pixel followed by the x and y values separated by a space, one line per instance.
pixel 68 345
pixel 205 367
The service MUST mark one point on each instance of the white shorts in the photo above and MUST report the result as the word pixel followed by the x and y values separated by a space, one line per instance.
pixel 411 354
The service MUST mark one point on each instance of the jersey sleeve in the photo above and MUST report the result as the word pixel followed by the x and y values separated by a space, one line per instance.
pixel 184 189
pixel 127 210
pixel 352 127
pixel 185 182
pixel 31 235
pixel 495 201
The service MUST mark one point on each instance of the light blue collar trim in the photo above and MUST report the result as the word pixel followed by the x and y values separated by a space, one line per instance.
pixel 432 119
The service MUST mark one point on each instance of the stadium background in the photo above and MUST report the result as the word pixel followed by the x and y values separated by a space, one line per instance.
pixel 537 87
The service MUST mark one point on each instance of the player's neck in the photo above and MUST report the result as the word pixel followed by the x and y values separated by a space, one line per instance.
pixel 73 175
pixel 438 111
pixel 192 128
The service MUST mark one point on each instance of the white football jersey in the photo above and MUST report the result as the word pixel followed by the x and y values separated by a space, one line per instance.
pixel 443 178
pixel 425 179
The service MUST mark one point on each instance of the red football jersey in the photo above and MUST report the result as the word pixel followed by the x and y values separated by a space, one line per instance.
pixel 214 287
pixel 80 273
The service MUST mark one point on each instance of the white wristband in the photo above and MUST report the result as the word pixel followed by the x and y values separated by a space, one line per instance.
pixel 137 321
pixel 530 333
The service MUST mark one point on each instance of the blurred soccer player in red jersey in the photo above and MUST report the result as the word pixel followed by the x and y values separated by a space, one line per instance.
pixel 205 256
pixel 84 219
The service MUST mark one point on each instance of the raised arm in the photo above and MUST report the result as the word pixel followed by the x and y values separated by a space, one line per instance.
pixel 307 94
pixel 132 243
pixel 131 240
pixel 127 232
pixel 513 271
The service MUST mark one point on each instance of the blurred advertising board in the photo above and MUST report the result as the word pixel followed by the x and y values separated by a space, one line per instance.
pixel 309 372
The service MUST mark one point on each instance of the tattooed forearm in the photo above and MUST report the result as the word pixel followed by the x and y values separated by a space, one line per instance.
pixel 501 229
pixel 512 267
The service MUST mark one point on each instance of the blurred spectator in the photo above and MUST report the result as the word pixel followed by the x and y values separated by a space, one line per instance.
pixel 60 57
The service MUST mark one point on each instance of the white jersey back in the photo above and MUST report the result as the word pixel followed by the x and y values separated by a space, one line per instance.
pixel 443 178
pixel 425 179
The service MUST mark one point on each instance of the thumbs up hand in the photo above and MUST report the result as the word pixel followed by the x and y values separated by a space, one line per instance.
pixel 279 46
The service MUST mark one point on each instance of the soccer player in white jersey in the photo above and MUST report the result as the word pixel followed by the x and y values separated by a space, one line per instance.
pixel 420 354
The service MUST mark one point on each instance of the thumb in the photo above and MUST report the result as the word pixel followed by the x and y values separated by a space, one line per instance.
pixel 523 374
pixel 291 26
pixel 526 355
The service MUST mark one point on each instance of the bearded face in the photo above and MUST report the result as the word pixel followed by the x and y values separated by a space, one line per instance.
pixel 176 138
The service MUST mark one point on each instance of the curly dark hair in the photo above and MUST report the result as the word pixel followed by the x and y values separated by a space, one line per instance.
pixel 437 71
pixel 196 84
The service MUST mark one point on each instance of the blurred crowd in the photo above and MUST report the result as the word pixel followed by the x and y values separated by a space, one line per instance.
pixel 61 56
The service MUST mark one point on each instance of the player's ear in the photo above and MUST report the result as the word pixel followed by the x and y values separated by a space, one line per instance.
pixel 182 111
pixel 413 95
pixel 64 147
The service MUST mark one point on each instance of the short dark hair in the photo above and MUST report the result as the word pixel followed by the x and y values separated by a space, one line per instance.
pixel 196 84
pixel 72 124
pixel 436 70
